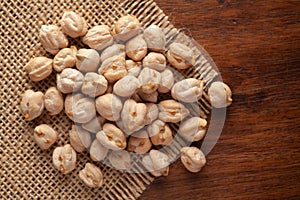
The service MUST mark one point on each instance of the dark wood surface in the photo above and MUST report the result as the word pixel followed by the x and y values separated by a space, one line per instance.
pixel 256 46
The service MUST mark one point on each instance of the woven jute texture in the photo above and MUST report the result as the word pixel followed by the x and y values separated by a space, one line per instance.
pixel 26 172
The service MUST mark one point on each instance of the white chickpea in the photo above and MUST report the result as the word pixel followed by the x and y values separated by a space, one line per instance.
pixel 98 37
pixel 73 24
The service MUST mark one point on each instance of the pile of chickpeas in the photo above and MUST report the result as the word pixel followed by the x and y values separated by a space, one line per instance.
pixel 111 92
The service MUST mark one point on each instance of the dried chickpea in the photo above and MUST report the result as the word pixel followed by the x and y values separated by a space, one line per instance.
pixel 113 50
pixel 79 108
pixel 73 24
pixel 32 104
pixel 155 61
pixel 52 38
pixel 45 136
pixel 133 115
pixel 152 113
pixel 155 38
pixel 126 86
pixel 97 151
pixel 113 68
pixel 64 159
pixel 136 48
pixel 87 60
pixel 98 37
pixel 193 129
pixel 160 133
pixel 139 142
pixel 69 80
pixel 133 68
pixel 94 84
pixel 126 27
pixel 166 82
pixel 54 101
pixel 192 158
pixel 109 106
pixel 91 176
pixel 111 137
pixel 80 139
pixel 180 56
pixel 157 163
pixel 219 94
pixel 65 58
pixel 172 111
pixel 187 90
pixel 39 68
pixel 149 80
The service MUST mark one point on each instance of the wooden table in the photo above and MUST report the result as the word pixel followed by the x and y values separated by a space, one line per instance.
pixel 256 46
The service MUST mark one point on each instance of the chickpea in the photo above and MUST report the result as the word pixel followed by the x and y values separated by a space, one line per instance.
pixel 220 95
pixel 32 104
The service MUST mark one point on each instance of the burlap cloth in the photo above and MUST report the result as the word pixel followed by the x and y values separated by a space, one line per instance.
pixel 26 172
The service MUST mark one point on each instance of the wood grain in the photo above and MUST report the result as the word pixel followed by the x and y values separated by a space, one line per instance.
pixel 256 46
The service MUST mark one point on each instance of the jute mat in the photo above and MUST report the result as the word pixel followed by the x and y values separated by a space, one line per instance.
pixel 26 172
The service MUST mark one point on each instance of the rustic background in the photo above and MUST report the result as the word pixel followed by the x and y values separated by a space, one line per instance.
pixel 256 46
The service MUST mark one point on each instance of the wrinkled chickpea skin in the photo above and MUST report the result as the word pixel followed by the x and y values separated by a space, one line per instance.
pixel 54 101
pixel 98 37
pixel 172 111
pixel 136 48
pixel 94 84
pixel 39 68
pixel 64 159
pixel 133 68
pixel 139 142
pixel 180 56
pixel 113 68
pixel 45 136
pixel 79 108
pixel 193 129
pixel 192 158
pixel 52 38
pixel 187 90
pixel 133 115
pixel 155 61
pixel 69 80
pixel 65 58
pixel 32 104
pixel 160 133
pixel 126 27
pixel 91 176
pixel 111 137
pixel 149 80
pixel 220 95
pixel 73 24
